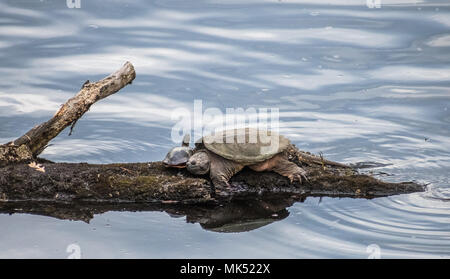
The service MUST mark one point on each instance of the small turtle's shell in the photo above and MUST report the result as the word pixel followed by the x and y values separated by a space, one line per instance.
pixel 178 156
pixel 246 145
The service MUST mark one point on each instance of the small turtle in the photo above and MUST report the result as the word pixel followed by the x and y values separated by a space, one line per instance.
pixel 178 156
pixel 226 153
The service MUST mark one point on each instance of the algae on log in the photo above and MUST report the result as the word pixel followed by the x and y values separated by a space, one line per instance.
pixel 154 183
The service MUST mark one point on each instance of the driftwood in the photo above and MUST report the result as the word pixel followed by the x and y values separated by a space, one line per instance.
pixel 31 184
pixel 31 144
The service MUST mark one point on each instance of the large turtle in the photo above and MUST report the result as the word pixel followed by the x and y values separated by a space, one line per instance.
pixel 226 153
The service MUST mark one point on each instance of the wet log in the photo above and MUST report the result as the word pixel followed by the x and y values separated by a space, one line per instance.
pixel 154 183
pixel 26 178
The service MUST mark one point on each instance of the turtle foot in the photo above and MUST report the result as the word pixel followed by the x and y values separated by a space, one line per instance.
pixel 298 175
pixel 222 189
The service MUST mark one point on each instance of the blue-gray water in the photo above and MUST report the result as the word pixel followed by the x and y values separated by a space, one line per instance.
pixel 353 82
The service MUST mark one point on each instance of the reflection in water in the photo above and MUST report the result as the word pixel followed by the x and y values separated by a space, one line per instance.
pixel 358 84
pixel 235 216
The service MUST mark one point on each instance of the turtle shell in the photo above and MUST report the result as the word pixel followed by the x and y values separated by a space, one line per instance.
pixel 178 156
pixel 246 145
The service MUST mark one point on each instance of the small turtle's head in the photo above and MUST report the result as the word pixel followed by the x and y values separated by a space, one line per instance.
pixel 198 163
pixel 178 156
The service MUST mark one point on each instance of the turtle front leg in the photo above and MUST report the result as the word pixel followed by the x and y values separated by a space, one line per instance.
pixel 290 170
pixel 281 165
pixel 221 170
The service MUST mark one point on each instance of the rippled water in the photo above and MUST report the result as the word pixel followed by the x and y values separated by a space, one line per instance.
pixel 356 83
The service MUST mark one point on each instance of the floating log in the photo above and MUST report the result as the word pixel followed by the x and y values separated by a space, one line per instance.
pixel 153 182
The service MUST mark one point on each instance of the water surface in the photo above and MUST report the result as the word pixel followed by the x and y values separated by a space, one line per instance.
pixel 356 83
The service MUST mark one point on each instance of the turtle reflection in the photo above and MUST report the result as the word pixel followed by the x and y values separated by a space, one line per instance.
pixel 238 215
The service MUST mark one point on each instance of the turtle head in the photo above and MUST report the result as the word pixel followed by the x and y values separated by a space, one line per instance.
pixel 178 156
pixel 198 163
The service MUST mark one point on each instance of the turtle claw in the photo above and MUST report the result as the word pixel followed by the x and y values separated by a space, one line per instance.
pixel 304 176
pixel 212 191
pixel 298 176
pixel 221 188
pixel 291 178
